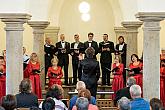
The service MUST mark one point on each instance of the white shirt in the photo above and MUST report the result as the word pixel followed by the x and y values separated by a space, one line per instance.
pixel 90 43
pixel 63 44
pixel 59 105
pixel 121 47
pixel 26 58
pixel 75 45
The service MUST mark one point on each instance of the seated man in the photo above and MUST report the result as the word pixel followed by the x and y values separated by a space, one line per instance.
pixel 138 103
pixel 80 86
pixel 123 104
pixel 125 91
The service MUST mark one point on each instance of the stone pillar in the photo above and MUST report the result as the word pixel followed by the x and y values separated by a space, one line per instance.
pixel 14 52
pixel 120 31
pixel 52 32
pixel 38 44
pixel 131 33
pixel 151 52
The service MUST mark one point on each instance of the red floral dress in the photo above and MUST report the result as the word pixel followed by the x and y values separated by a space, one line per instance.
pixel 162 85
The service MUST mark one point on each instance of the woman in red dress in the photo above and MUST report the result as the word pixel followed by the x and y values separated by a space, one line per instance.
pixel 136 68
pixel 117 82
pixel 55 73
pixel 2 77
pixel 32 72
pixel 162 82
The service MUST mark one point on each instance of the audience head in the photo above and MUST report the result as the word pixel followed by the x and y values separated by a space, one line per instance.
pixel 131 81
pixel 62 37
pixel 85 93
pixel 25 86
pixel 117 59
pixel 48 104
pixel 1 108
pixel 54 61
pixel 135 91
pixel 123 103
pixel 76 37
pixel 90 51
pixel 121 39
pixel 105 37
pixel 134 58
pixel 155 104
pixel 48 40
pixel 55 91
pixel 82 103
pixel 34 57
pixel 2 61
pixel 9 102
pixel 90 36
pixel 80 85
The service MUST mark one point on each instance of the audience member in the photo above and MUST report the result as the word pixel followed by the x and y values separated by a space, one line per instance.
pixel 79 87
pixel 25 98
pixel 56 93
pixel 156 104
pixel 1 108
pixel 124 103
pixel 138 103
pixel 48 104
pixel 125 91
pixel 81 104
pixel 9 102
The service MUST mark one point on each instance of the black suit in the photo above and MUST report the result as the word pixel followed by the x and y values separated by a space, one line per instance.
pixel 122 93
pixel 75 59
pixel 63 58
pixel 89 73
pixel 123 58
pixel 49 52
pixel 106 60
pixel 94 45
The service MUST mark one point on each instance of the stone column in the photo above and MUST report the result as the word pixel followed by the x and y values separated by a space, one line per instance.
pixel 120 31
pixel 52 32
pixel 38 44
pixel 151 52
pixel 14 52
pixel 131 33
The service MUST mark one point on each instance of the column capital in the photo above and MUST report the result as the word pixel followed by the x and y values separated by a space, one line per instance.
pixel 38 24
pixel 119 29
pixel 150 16
pixel 52 29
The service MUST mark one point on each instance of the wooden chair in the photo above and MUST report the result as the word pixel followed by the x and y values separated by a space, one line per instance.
pixel 104 103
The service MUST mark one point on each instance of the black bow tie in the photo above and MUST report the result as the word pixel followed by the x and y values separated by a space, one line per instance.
pixel 63 42
pixel 90 41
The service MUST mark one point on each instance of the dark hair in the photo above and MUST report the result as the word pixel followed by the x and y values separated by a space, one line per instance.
pixel 105 35
pixel 156 104
pixel 90 34
pixel 9 102
pixel 90 51
pixel 121 37
pixel 25 86
pixel 54 92
pixel 135 56
pixel 48 104
pixel 1 57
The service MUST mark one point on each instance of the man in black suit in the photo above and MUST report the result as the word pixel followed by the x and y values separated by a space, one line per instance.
pixel 89 71
pixel 121 49
pixel 62 55
pixel 125 91
pixel 49 50
pixel 91 43
pixel 77 49
pixel 106 48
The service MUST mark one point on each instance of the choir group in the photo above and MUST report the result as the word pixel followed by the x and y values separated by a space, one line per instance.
pixel 57 58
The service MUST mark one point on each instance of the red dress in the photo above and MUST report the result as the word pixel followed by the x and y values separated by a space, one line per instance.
pixel 138 77
pixel 35 78
pixel 118 82
pixel 3 83
pixel 55 76
pixel 162 85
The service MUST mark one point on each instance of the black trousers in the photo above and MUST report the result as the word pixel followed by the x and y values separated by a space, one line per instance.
pixel 47 64
pixel 63 62
pixel 93 90
pixel 75 70
pixel 106 73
